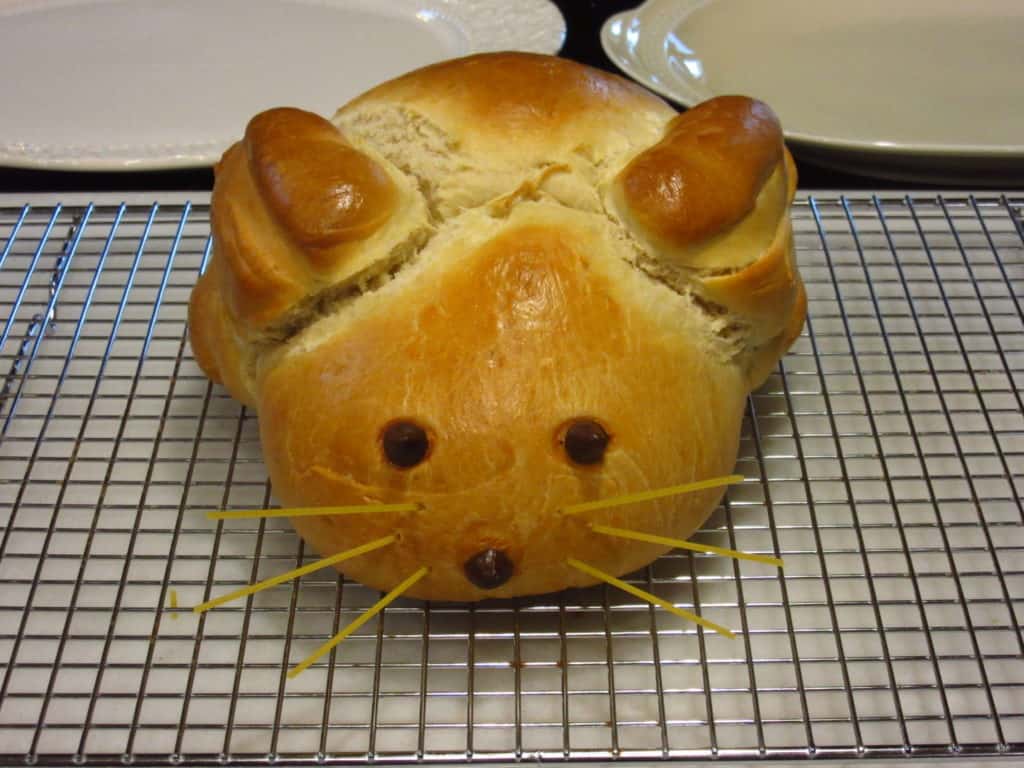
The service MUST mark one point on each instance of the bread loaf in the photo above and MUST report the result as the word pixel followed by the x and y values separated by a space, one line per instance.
pixel 494 287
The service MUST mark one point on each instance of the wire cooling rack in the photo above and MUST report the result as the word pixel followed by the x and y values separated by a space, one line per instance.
pixel 884 462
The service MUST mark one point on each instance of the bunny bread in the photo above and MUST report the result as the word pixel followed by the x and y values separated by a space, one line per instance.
pixel 495 287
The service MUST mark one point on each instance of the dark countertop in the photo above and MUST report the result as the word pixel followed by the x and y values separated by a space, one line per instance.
pixel 583 24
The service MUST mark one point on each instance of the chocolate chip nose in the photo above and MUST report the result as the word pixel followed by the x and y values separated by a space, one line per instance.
pixel 489 569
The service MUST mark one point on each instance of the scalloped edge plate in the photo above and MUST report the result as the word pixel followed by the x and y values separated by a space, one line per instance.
pixel 151 85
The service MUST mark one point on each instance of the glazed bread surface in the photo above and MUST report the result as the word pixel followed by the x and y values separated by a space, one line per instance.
pixel 489 255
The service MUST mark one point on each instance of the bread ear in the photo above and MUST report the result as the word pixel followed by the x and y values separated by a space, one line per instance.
pixel 319 187
pixel 705 174
pixel 711 203
pixel 296 211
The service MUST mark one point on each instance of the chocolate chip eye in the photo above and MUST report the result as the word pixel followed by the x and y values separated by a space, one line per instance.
pixel 585 442
pixel 489 569
pixel 405 443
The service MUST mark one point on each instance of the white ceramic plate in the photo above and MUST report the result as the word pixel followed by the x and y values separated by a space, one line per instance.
pixel 144 84
pixel 910 89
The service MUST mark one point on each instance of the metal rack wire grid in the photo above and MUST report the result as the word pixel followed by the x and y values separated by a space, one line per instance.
pixel 883 461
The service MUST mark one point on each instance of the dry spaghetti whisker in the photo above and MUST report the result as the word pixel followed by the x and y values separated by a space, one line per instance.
pixel 354 509
pixel 648 597
pixel 376 608
pixel 657 493
pixel 625 533
pixel 273 581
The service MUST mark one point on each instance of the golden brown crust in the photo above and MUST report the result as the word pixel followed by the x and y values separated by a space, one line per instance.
pixel 493 358
pixel 705 175
pixel 216 347
pixel 201 306
pixel 483 250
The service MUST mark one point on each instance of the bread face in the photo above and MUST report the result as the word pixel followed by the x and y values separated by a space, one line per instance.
pixel 496 287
